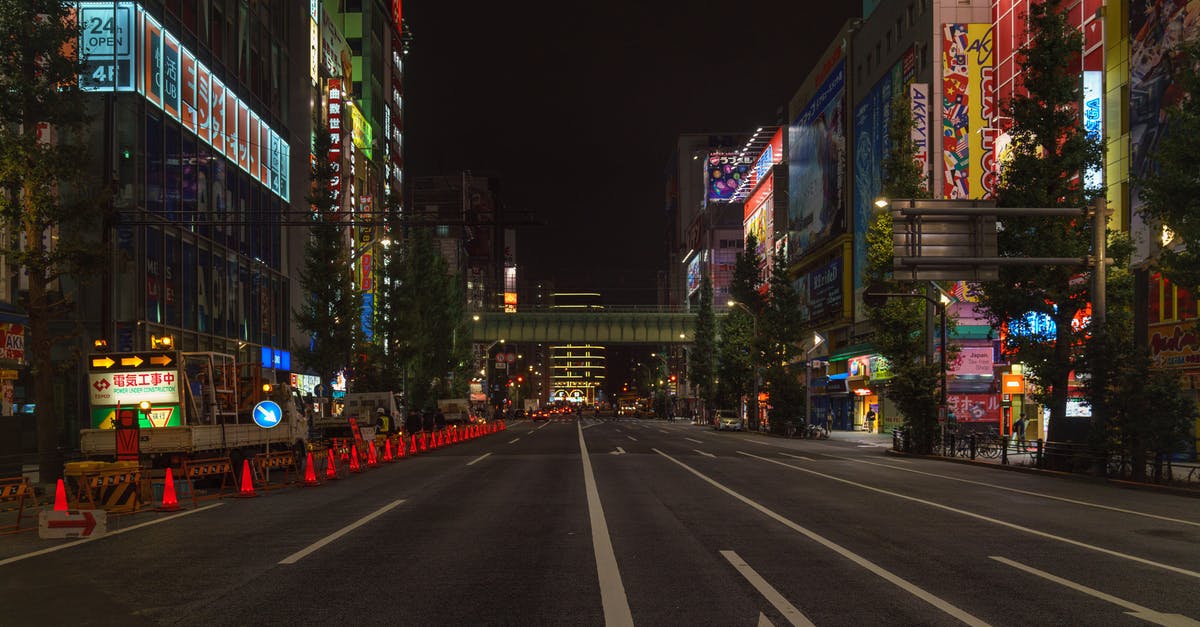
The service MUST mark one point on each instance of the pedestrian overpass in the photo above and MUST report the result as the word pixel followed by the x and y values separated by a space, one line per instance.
pixel 607 326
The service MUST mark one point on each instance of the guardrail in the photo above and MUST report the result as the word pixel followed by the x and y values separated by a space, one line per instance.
pixel 1151 467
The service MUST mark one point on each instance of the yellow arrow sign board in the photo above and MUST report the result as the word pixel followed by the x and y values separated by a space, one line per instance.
pixel 142 360
pixel 102 362
pixel 134 361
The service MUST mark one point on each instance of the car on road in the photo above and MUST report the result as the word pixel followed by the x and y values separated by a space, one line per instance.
pixel 728 420
pixel 519 414
pixel 540 415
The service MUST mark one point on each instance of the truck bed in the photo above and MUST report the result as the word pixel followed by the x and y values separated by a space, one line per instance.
pixel 189 439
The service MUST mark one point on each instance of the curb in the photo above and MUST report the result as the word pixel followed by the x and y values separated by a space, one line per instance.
pixel 1118 483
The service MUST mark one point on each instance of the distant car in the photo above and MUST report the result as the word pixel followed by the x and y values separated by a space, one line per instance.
pixel 540 415
pixel 728 420
pixel 519 414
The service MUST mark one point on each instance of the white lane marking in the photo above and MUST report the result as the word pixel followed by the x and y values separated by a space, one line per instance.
pixel 612 591
pixel 694 440
pixel 25 556
pixel 631 438
pixel 513 440
pixel 664 431
pixel 703 453
pixel 867 446
pixel 1135 610
pixel 763 442
pixel 789 611
pixel 477 459
pixel 882 572
pixel 310 549
pixel 763 621
pixel 619 451
pixel 1028 492
pixel 996 521
pixel 542 427
pixel 807 459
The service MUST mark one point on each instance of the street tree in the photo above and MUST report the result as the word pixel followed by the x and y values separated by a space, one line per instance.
pixel 900 333
pixel 47 206
pixel 388 352
pixel 328 314
pixel 702 356
pixel 1171 190
pixel 743 351
pixel 782 332
pixel 735 369
pixel 1049 154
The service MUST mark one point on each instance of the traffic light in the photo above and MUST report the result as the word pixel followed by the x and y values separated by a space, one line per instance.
pixel 520 379
pixel 672 378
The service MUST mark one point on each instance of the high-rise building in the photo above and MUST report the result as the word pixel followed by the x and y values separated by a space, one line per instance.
pixel 578 370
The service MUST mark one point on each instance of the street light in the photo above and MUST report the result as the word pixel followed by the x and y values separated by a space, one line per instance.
pixel 818 340
pixel 753 361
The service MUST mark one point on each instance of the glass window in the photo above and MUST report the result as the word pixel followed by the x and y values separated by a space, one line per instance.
pixel 154 164
pixel 249 305
pixel 171 284
pixel 231 299
pixel 173 174
pixel 188 190
pixel 203 190
pixel 154 271
pixel 188 293
pixel 204 272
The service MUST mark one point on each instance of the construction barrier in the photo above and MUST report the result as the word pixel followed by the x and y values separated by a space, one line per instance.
pixel 208 467
pixel 115 488
pixel 16 489
pixel 276 460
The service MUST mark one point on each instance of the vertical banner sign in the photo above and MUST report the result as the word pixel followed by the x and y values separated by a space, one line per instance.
pixel 982 110
pixel 151 75
pixel 264 153
pixel 243 141
pixel 187 90
pixel 170 75
pixel 231 126
pixel 217 116
pixel 252 149
pixel 918 102
pixel 106 46
pixel 955 118
pixel 1093 120
pixel 273 164
pixel 203 103
pixel 335 139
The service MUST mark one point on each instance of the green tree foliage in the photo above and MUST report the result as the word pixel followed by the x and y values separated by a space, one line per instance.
pixel 431 322
pixel 386 354
pixel 329 314
pixel 900 332
pixel 781 331
pixel 1050 151
pixel 741 353
pixel 702 355
pixel 48 209
pixel 1172 190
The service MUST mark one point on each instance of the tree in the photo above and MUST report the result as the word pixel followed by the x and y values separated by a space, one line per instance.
pixel 782 328
pixel 1050 151
pixel 734 366
pixel 329 312
pixel 743 351
pixel 900 333
pixel 1171 191
pixel 388 353
pixel 47 208
pixel 702 356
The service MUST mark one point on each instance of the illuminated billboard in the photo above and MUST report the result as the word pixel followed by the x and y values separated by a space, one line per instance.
pixel 725 173
pixel 968 107
pixel 816 165
pixel 170 76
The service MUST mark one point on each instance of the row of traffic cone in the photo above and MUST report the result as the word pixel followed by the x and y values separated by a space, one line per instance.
pixel 170 501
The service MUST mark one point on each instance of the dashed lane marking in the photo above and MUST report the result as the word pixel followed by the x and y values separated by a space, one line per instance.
pixel 631 438
pixel 789 611
pixel 703 453
pixel 477 459
pixel 513 440
pixel 882 572
pixel 310 549
pixel 807 459
pixel 694 440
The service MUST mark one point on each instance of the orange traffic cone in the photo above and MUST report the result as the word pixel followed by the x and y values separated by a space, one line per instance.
pixel 247 490
pixel 330 464
pixel 424 441
pixel 412 445
pixel 310 474
pixel 387 451
pixel 169 502
pixel 399 447
pixel 60 497
pixel 372 456
pixel 354 467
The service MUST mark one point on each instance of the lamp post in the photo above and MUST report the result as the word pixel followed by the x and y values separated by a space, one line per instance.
pixel 753 360
pixel 818 340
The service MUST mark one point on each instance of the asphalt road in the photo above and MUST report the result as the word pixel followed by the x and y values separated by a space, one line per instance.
pixel 659 524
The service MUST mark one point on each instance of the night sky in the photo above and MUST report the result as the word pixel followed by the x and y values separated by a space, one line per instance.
pixel 575 106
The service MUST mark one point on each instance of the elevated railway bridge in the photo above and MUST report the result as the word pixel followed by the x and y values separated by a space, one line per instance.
pixel 620 324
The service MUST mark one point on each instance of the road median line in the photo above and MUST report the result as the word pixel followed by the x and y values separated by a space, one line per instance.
pixel 612 591
pixel 785 607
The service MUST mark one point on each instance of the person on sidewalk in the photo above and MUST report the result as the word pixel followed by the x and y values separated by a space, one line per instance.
pixel 870 421
pixel 1019 433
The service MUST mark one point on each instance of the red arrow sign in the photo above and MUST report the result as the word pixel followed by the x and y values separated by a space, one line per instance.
pixel 87 523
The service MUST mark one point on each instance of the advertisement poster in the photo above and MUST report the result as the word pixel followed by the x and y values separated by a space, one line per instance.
pixel 1175 346
pixel 968 106
pixel 973 361
pixel 817 158
pixel 725 173
pixel 12 339
pixel 974 407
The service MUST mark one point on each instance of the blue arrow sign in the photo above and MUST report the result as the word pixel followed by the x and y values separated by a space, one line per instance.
pixel 267 414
